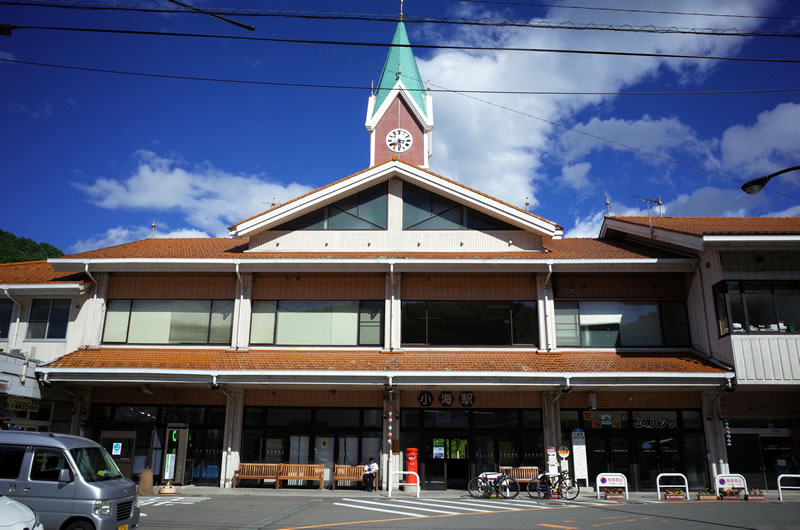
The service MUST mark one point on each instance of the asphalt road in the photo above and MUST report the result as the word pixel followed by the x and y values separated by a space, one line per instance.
pixel 365 512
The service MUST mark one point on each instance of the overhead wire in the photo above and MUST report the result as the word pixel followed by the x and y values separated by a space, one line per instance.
pixel 323 15
pixel 11 27
pixel 356 87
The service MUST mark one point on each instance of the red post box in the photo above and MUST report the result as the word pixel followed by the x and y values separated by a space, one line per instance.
pixel 412 454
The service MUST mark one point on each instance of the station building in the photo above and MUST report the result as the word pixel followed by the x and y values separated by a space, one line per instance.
pixel 397 308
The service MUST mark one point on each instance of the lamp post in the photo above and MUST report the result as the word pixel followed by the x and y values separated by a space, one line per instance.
pixel 754 186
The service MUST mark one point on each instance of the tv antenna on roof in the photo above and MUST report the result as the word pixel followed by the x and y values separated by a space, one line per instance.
pixel 153 233
pixel 660 214
pixel 608 207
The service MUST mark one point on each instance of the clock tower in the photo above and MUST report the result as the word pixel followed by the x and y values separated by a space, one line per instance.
pixel 400 111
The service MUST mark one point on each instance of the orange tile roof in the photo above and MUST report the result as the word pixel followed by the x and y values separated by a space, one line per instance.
pixel 395 159
pixel 36 272
pixel 222 248
pixel 706 226
pixel 405 361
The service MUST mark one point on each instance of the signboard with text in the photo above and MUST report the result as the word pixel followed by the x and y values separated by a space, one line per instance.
pixel 579 454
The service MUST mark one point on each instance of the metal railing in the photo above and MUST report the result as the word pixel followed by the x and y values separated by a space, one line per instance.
pixel 735 480
pixel 781 488
pixel 681 475
pixel 393 473
pixel 611 480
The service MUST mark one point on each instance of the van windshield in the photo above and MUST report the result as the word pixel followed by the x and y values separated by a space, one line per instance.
pixel 95 464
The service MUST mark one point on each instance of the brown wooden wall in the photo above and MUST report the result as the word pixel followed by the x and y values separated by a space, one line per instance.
pixel 620 287
pixel 321 286
pixel 147 286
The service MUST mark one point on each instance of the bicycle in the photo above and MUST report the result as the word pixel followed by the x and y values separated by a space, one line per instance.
pixel 543 487
pixel 489 482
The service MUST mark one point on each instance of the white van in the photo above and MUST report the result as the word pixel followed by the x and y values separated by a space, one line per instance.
pixel 71 482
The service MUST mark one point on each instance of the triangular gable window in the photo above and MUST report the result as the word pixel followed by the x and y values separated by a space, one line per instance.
pixel 366 210
pixel 423 210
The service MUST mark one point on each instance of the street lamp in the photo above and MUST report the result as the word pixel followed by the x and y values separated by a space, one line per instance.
pixel 754 186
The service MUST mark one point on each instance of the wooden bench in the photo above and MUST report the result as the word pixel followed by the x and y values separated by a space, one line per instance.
pixel 521 474
pixel 301 472
pixel 255 472
pixel 343 473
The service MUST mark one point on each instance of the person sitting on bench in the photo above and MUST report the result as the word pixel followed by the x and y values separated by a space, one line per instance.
pixel 370 470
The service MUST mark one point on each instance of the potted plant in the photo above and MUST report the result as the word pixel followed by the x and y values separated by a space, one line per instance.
pixel 614 493
pixel 730 494
pixel 674 495
pixel 754 494
pixel 706 495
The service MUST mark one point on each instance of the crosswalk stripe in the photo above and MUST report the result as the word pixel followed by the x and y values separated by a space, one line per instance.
pixel 478 503
pixel 444 506
pixel 429 509
pixel 360 507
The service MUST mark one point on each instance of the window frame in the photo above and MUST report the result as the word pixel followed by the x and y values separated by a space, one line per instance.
pixel 28 338
pixel 325 211
pixel 10 319
pixel 381 333
pixel 208 329
pixel 463 210
pixel 722 286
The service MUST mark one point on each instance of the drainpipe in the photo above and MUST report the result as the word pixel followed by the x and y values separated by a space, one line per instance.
pixel 94 303
pixel 710 353
pixel 391 306
pixel 566 389
pixel 16 326
pixel 229 425
pixel 241 301
pixel 546 312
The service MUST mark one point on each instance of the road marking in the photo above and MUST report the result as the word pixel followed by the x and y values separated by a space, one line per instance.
pixel 170 501
pixel 428 504
pixel 361 507
pixel 478 503
pixel 557 526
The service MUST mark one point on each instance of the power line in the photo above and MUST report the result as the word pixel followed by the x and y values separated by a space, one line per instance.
pixel 355 87
pixel 9 28
pixel 556 6
pixel 322 15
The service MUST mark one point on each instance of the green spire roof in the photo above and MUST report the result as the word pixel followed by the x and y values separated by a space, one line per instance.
pixel 400 56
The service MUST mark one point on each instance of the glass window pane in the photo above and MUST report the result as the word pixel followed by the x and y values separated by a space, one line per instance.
pixel 374 205
pixel 640 325
pixel 6 309
pixel 480 221
pixel 416 205
pixel 447 219
pixel 721 309
pixel 567 324
pixel 40 310
pixel 285 417
pixel 325 417
pixel 340 220
pixel 117 316
pixel 532 418
pixel 525 322
pixel 495 419
pixel 59 318
pixel 37 330
pixel 344 323
pixel 304 323
pixel 373 417
pixel 691 419
pixel 468 323
pixel 599 323
pixel 262 328
pixel 47 463
pixel 311 221
pixel 736 307
pixel 760 307
pixel 11 461
pixel 189 322
pixel 413 323
pixel 150 322
pixel 369 322
pixel 787 302
pixel 221 322
pixel 675 323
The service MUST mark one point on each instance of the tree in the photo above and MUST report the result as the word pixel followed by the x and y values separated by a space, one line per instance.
pixel 13 248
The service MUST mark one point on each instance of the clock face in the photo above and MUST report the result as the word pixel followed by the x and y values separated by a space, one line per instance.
pixel 399 140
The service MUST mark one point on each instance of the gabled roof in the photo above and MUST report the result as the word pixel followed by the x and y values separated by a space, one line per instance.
pixel 38 272
pixel 383 171
pixel 704 226
pixel 400 59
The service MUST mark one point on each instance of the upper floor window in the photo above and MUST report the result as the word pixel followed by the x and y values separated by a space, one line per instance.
pixel 611 324
pixel 317 323
pixel 366 210
pixel 424 210
pixel 757 307
pixel 48 318
pixel 6 310
pixel 469 323
pixel 169 322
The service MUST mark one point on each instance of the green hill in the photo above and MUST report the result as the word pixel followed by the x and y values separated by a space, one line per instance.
pixel 13 248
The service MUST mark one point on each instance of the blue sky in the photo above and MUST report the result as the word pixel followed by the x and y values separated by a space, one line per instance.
pixel 89 159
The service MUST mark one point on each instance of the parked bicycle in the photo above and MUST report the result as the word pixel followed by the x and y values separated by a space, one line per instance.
pixel 544 487
pixel 487 483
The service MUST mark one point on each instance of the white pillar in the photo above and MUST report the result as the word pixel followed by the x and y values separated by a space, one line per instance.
pixel 242 312
pixel 234 411
pixel 717 455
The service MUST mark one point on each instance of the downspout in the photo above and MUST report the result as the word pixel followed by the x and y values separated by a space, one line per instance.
pixel 710 353
pixel 391 306
pixel 94 303
pixel 241 301
pixel 218 388
pixel 566 389
pixel 546 312
pixel 16 326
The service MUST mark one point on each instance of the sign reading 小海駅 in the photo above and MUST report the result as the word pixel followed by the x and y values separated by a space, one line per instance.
pixel 427 398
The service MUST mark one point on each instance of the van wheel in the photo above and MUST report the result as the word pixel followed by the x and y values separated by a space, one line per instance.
pixel 80 525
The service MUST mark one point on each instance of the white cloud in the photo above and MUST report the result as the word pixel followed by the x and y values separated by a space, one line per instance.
pixel 589 226
pixel 121 234
pixel 768 145
pixel 792 211
pixel 209 198
pixel 468 129
pixel 8 55
pixel 41 110
pixel 575 176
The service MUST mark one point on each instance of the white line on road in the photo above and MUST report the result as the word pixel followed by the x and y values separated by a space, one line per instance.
pixel 429 509
pixel 378 509
pixel 476 503
pixel 439 505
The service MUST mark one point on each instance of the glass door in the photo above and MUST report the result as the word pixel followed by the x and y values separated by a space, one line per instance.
pixel 457 462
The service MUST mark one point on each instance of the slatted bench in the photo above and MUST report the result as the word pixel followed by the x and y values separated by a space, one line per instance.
pixel 343 473
pixel 255 472
pixel 301 472
pixel 521 474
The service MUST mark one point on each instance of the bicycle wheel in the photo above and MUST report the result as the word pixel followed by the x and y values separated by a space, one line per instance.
pixel 569 489
pixel 508 488
pixel 478 487
pixel 537 489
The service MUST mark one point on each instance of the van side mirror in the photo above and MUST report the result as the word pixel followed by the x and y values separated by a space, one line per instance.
pixel 64 475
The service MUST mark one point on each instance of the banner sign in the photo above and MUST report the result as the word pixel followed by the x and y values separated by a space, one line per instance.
pixel 579 454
